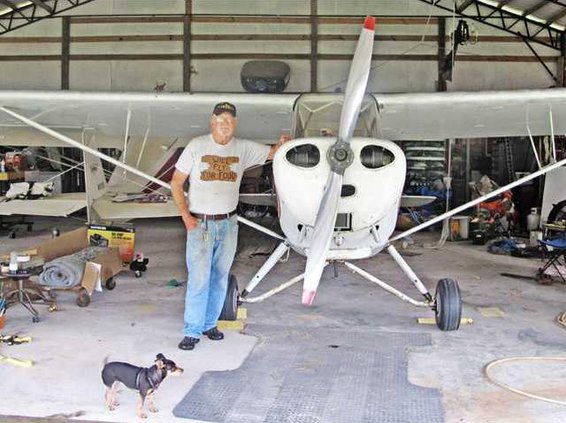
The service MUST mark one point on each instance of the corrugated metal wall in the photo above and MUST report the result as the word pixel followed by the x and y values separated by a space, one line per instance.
pixel 150 53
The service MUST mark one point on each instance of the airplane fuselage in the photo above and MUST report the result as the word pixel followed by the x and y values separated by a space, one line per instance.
pixel 369 202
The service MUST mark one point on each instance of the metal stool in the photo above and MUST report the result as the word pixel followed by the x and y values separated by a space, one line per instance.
pixel 21 295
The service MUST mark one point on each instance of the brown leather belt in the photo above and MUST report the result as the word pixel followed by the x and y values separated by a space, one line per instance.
pixel 214 216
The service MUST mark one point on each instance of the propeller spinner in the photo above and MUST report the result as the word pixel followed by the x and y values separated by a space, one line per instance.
pixel 340 157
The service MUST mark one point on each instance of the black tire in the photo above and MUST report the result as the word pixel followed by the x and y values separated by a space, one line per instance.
pixel 138 273
pixel 110 284
pixel 230 309
pixel 448 309
pixel 83 299
pixel 12 235
pixel 558 211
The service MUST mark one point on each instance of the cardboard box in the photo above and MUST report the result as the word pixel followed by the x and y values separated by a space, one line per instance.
pixel 12 176
pixel 122 238
pixel 97 271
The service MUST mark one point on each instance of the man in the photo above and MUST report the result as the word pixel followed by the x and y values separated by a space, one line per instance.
pixel 214 164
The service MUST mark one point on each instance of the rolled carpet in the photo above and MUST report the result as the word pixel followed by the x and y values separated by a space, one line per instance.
pixel 67 271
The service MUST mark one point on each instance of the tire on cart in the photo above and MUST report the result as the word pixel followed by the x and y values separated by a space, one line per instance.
pixel 448 308
pixel 83 298
pixel 110 284
pixel 230 309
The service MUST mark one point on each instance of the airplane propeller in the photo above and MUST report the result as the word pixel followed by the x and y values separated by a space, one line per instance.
pixel 339 156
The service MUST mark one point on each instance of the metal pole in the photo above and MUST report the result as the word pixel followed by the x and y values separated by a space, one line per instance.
pixel 408 271
pixel 65 52
pixel 274 291
pixel 385 286
pixel 266 267
pixel 187 46
pixel 314 45
pixel 468 170
pixel 441 83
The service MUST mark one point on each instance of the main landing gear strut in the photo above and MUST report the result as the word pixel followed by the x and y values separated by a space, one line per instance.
pixel 446 303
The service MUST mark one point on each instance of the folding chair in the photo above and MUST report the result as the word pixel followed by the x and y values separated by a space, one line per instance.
pixel 554 252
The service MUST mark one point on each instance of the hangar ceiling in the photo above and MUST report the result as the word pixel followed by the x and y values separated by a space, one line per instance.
pixel 15 14
pixel 541 21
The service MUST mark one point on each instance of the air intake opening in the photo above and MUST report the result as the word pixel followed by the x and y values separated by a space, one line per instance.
pixel 374 156
pixel 306 155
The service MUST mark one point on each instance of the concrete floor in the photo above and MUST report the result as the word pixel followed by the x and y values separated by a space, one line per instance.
pixel 143 317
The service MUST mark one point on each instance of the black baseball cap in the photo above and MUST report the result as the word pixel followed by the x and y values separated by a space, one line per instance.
pixel 224 107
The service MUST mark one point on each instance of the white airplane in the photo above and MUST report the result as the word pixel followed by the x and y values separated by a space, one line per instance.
pixel 337 198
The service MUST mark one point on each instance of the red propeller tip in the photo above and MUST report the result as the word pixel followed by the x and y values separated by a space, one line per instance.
pixel 308 297
pixel 369 23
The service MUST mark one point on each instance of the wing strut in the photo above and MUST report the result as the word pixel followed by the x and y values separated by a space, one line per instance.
pixel 472 203
pixel 552 134
pixel 119 164
pixel 126 137
pixel 534 147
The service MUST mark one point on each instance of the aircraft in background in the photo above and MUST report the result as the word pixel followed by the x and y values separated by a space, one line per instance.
pixel 337 197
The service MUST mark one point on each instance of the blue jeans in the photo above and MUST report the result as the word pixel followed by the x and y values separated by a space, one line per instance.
pixel 211 248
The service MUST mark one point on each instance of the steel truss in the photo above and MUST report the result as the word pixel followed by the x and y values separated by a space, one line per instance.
pixel 497 17
pixel 20 16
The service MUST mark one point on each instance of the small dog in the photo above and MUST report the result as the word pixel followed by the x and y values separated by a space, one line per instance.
pixel 145 380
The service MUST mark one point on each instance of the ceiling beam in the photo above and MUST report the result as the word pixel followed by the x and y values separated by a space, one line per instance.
pixel 556 16
pixel 464 5
pixel 503 3
pixel 28 10
pixel 534 8
pixel 9 4
pixel 514 22
pixel 43 5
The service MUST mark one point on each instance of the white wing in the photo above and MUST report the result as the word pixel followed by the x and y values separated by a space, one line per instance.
pixel 471 114
pixel 261 117
pixel 61 205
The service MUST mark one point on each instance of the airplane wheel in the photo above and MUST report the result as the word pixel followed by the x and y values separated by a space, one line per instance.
pixel 230 309
pixel 448 310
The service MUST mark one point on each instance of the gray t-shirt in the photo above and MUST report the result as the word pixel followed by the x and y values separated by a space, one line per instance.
pixel 215 171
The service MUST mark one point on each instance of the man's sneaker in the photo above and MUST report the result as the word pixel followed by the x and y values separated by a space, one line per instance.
pixel 188 343
pixel 214 334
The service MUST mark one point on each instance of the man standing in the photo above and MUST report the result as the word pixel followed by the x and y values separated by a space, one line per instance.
pixel 214 164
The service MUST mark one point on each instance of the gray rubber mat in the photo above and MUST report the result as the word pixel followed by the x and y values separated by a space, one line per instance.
pixel 317 375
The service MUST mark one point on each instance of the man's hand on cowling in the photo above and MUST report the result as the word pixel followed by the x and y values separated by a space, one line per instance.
pixel 190 222
pixel 283 139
